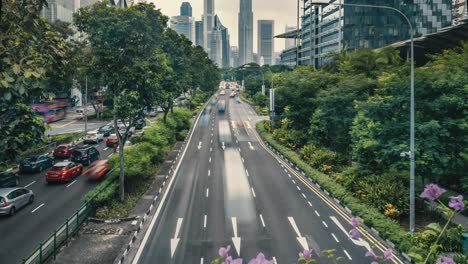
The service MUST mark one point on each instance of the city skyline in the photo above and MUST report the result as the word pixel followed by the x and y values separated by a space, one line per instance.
pixel 284 13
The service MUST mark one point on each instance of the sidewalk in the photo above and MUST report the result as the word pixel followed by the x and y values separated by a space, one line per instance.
pixel 101 242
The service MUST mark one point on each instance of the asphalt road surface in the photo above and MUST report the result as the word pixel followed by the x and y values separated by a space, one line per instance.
pixel 53 204
pixel 230 189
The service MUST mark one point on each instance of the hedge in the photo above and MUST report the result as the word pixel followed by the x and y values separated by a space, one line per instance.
pixel 388 228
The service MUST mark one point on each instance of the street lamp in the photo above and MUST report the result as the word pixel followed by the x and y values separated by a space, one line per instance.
pixel 411 152
pixel 257 69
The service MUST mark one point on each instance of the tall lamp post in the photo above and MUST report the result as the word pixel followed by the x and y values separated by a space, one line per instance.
pixel 411 153
pixel 258 70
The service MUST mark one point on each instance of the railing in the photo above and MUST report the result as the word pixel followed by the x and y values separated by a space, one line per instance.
pixel 49 247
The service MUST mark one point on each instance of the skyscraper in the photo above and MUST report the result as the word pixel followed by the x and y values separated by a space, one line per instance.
pixel 245 32
pixel 186 9
pixel 226 47
pixel 59 10
pixel 289 42
pixel 183 25
pixel 234 58
pixel 208 23
pixel 199 33
pixel 459 10
pixel 265 43
pixel 216 42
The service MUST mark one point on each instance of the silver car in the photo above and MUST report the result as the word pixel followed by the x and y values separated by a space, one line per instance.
pixel 13 199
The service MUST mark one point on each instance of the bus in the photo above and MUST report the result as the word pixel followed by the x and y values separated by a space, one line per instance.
pixel 222 106
pixel 51 110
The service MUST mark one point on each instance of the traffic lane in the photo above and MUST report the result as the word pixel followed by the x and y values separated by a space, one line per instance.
pixel 73 126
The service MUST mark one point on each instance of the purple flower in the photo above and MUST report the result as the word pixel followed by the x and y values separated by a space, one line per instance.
pixel 260 259
pixel 355 234
pixel 224 252
pixel 445 260
pixel 456 203
pixel 355 222
pixel 432 192
pixel 388 254
pixel 307 254
pixel 229 260
pixel 371 253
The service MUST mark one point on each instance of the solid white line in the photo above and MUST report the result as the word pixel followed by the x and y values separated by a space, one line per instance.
pixel 204 222
pixel 347 254
pixel 261 218
pixel 247 172
pixel 303 195
pixel 37 208
pixel 71 183
pixel 207 192
pixel 317 213
pixel 201 261
pixel 209 173
pixel 158 211
pixel 253 192
pixel 30 184
pixel 310 204
pixel 325 224
pixel 333 235
pixel 106 148
pixel 178 226
pixel 298 188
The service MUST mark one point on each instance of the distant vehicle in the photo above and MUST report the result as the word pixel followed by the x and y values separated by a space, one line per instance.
pixel 122 129
pixel 55 115
pixel 36 163
pixel 232 94
pixel 222 93
pixel 85 155
pixel 79 113
pixel 238 100
pixel 140 123
pixel 8 179
pixel 97 170
pixel 112 141
pixel 51 110
pixel 64 151
pixel 238 89
pixel 93 137
pixel 106 130
pixel 213 101
pixel 63 171
pixel 222 106
pixel 13 199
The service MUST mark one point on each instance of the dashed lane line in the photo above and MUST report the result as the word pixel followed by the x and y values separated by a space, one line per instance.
pixel 30 184
pixel 253 192
pixel 73 182
pixel 37 208
pixel 263 222
pixel 333 235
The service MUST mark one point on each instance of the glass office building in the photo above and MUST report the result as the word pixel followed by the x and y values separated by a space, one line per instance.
pixel 330 28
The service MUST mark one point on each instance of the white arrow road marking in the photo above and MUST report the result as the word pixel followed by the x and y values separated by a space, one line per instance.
pixel 235 240
pixel 250 146
pixel 302 240
pixel 37 208
pixel 223 145
pixel 199 145
pixel 176 239
pixel 201 261
pixel 359 242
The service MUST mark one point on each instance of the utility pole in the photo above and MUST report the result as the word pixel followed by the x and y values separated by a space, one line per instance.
pixel 86 105
pixel 272 105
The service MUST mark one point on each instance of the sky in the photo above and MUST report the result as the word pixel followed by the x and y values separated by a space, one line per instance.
pixel 282 11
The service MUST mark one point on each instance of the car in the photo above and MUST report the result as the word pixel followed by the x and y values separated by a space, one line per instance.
pixel 122 128
pixel 79 113
pixel 36 163
pixel 106 130
pixel 232 94
pixel 64 151
pixel 63 171
pixel 238 89
pixel 238 100
pixel 93 137
pixel 13 199
pixel 112 140
pixel 85 155
pixel 97 170
pixel 8 179
pixel 222 93
pixel 140 123
pixel 213 101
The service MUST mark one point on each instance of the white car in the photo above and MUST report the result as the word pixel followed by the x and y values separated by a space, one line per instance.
pixel 93 137
pixel 78 114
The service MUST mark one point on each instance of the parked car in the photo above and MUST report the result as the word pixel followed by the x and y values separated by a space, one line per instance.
pixel 106 130
pixel 13 199
pixel 36 163
pixel 97 170
pixel 64 151
pixel 112 141
pixel 85 155
pixel 140 123
pixel 8 179
pixel 93 137
pixel 63 171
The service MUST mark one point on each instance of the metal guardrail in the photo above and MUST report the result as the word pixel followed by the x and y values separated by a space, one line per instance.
pixel 49 247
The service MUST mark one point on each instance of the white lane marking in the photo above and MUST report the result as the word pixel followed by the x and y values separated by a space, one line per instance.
pixel 298 188
pixel 106 148
pixel 303 195
pixel 207 192
pixel 325 224
pixel 302 240
pixel 247 172
pixel 359 242
pixel 282 166
pixel 201 261
pixel 333 235
pixel 317 213
pixel 211 141
pixel 294 181
pixel 209 160
pixel 310 204
pixel 285 170
pixel 263 222
pixel 253 192
pixel 209 173
pixel 235 240
pixel 242 159
pixel 30 184
pixel 175 240
pixel 289 175
pixel 204 222
pixel 347 254
pixel 224 147
pixel 240 150
pixel 71 183
pixel 274 260
pixel 250 146
pixel 199 145
pixel 37 208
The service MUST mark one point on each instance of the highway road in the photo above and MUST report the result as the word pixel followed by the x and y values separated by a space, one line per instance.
pixel 230 189
pixel 53 204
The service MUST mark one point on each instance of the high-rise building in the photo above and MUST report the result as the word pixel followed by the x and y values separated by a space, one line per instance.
pixel 183 25
pixel 199 33
pixel 85 3
pixel 245 32
pixel 226 47
pixel 186 9
pixel 216 42
pixel 234 60
pixel 265 42
pixel 59 10
pixel 208 22
pixel 459 10
pixel 330 28
pixel 289 42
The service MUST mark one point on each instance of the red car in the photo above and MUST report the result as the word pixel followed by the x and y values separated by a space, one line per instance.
pixel 112 140
pixel 64 151
pixel 97 170
pixel 63 171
